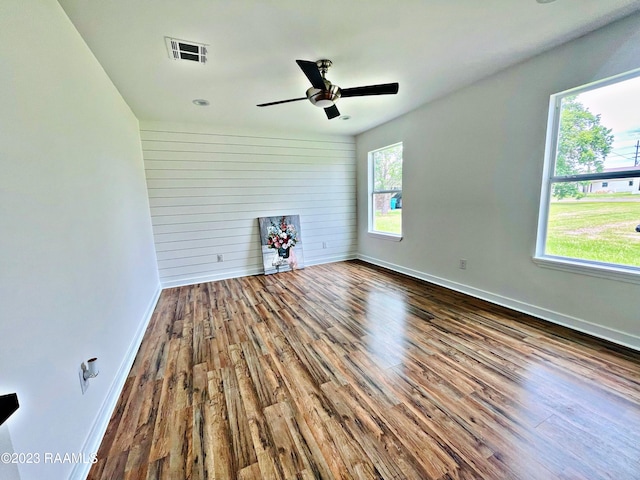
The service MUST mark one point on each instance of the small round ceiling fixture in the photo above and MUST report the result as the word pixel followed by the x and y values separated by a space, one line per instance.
pixel 201 102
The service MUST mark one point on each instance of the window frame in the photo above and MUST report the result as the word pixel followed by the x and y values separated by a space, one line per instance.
pixel 372 191
pixel 626 273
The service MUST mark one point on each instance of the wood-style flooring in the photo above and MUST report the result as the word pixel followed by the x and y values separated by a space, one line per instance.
pixel 350 371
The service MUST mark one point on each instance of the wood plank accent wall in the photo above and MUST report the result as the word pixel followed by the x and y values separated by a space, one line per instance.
pixel 207 189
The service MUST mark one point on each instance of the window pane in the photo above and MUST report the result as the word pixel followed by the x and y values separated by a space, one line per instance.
pixel 599 227
pixel 387 168
pixel 598 130
pixel 387 213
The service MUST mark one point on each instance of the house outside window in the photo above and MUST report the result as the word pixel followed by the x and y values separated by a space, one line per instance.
pixel 385 192
pixel 589 208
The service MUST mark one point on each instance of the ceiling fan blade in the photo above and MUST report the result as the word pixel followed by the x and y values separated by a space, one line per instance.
pixel 383 89
pixel 332 112
pixel 281 101
pixel 312 72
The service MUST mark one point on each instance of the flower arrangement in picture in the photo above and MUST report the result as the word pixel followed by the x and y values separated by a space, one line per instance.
pixel 278 235
pixel 282 237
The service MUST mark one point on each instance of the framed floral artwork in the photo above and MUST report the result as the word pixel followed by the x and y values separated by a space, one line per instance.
pixel 281 243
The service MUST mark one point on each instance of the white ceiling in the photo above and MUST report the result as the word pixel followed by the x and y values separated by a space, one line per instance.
pixel 431 47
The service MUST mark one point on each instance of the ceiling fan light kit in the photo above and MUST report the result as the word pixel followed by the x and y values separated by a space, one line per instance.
pixel 323 98
pixel 324 94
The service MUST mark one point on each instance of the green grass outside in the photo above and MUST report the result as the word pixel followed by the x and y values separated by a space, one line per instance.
pixel 590 228
pixel 602 231
pixel 389 223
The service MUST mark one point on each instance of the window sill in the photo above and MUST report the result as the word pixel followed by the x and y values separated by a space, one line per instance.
pixel 385 236
pixel 603 270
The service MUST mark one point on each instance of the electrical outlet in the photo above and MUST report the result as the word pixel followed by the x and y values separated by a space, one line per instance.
pixel 325 245
pixel 220 258
pixel 463 264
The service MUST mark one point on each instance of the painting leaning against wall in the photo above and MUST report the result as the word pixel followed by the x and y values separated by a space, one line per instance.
pixel 281 243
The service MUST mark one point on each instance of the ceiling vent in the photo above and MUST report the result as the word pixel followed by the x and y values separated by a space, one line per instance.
pixel 184 50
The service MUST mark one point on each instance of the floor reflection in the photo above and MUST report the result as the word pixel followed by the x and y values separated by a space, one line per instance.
pixel 386 317
pixel 556 404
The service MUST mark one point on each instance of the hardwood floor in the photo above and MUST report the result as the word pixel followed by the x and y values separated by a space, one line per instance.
pixel 349 371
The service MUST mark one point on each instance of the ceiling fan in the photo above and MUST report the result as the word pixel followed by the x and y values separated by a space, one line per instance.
pixel 324 94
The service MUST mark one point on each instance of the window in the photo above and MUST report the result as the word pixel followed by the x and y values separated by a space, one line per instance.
pixel 589 209
pixel 385 192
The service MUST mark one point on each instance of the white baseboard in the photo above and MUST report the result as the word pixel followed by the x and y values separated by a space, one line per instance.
pixel 212 277
pixel 599 331
pixel 332 259
pixel 247 272
pixel 92 443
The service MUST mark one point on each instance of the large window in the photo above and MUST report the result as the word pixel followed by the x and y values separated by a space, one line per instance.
pixel 590 207
pixel 385 191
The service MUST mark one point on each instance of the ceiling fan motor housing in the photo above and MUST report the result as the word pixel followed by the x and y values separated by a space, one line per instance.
pixel 324 98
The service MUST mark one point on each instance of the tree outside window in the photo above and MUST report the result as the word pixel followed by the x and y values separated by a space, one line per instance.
pixel 583 145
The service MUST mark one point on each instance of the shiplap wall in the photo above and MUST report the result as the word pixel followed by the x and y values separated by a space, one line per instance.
pixel 207 189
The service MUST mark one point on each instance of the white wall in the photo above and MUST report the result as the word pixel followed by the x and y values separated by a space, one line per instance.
pixel 8 470
pixel 472 175
pixel 207 187
pixel 78 272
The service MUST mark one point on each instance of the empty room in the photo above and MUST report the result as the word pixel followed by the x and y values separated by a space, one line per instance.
pixel 247 240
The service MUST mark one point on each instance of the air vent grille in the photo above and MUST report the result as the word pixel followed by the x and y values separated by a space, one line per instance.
pixel 185 50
